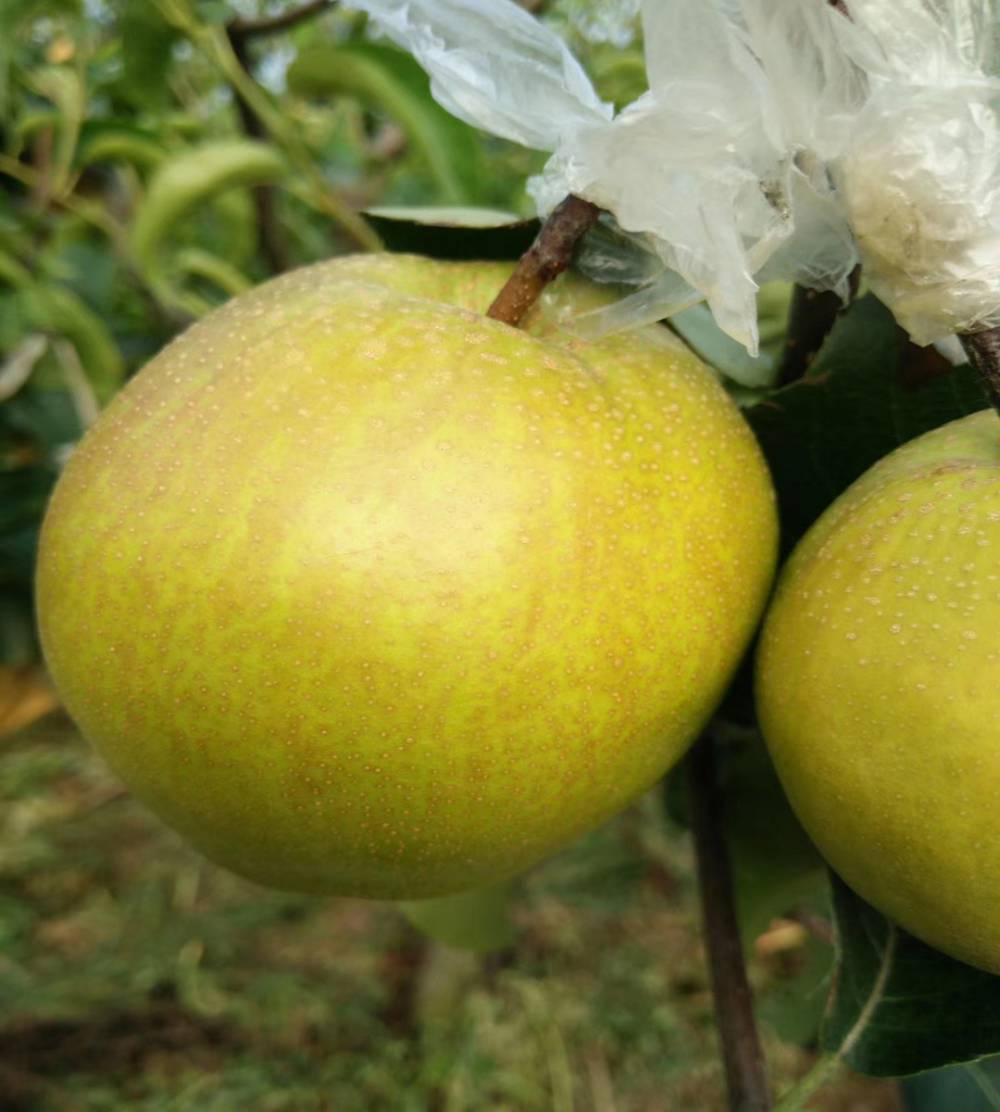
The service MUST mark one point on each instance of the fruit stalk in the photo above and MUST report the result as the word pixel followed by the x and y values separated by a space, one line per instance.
pixel 746 1076
pixel 550 254
pixel 983 350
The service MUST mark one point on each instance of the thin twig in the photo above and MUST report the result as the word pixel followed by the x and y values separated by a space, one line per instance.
pixel 271 239
pixel 983 350
pixel 550 254
pixel 244 29
pixel 746 1076
pixel 812 315
pixel 810 318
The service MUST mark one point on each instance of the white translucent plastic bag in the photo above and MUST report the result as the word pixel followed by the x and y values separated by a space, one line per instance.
pixel 920 178
pixel 777 136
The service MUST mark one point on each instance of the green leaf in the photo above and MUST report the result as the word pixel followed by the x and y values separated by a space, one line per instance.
pixel 697 327
pixel 449 232
pixel 186 181
pixel 776 868
pixel 63 86
pixel 18 646
pixel 476 920
pixel 392 82
pixel 57 310
pixel 858 402
pixel 971 1088
pixel 147 44
pixel 12 271
pixel 203 264
pixel 899 1007
pixel 117 142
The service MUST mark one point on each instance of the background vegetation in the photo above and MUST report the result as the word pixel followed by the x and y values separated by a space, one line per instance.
pixel 157 157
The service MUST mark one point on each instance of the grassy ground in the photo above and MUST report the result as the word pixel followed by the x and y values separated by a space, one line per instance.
pixel 135 976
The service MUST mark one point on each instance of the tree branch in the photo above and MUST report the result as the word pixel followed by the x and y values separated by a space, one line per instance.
pixel 243 29
pixel 812 315
pixel 810 318
pixel 746 1077
pixel 550 254
pixel 983 350
pixel 270 238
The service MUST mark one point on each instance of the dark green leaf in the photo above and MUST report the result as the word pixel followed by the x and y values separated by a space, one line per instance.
pixel 857 403
pixel 776 868
pixel 900 1007
pixel 147 43
pixel 970 1088
pixel 18 645
pixel 392 82
pixel 454 233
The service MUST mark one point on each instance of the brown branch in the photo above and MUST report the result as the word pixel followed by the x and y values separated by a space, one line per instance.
pixel 270 237
pixel 550 254
pixel 811 316
pixel 983 350
pixel 243 29
pixel 746 1077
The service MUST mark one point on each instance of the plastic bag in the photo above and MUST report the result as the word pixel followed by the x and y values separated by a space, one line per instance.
pixel 494 66
pixel 776 137
pixel 920 178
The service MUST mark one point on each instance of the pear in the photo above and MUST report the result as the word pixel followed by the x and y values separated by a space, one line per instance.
pixel 368 594
pixel 878 687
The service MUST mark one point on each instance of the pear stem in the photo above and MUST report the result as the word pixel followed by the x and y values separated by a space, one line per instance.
pixel 983 350
pixel 742 1055
pixel 550 254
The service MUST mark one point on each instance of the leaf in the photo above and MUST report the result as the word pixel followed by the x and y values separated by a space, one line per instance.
pixel 63 86
pixel 203 264
pixel 391 81
pixel 476 920
pixel 448 232
pixel 102 142
pixel 776 868
pixel 971 1088
pixel 147 45
pixel 12 271
pixel 697 327
pixel 16 369
pixel 186 181
pixel 854 406
pixel 898 1006
pixel 57 310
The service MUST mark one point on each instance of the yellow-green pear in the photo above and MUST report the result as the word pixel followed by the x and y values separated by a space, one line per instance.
pixel 366 593
pixel 878 687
